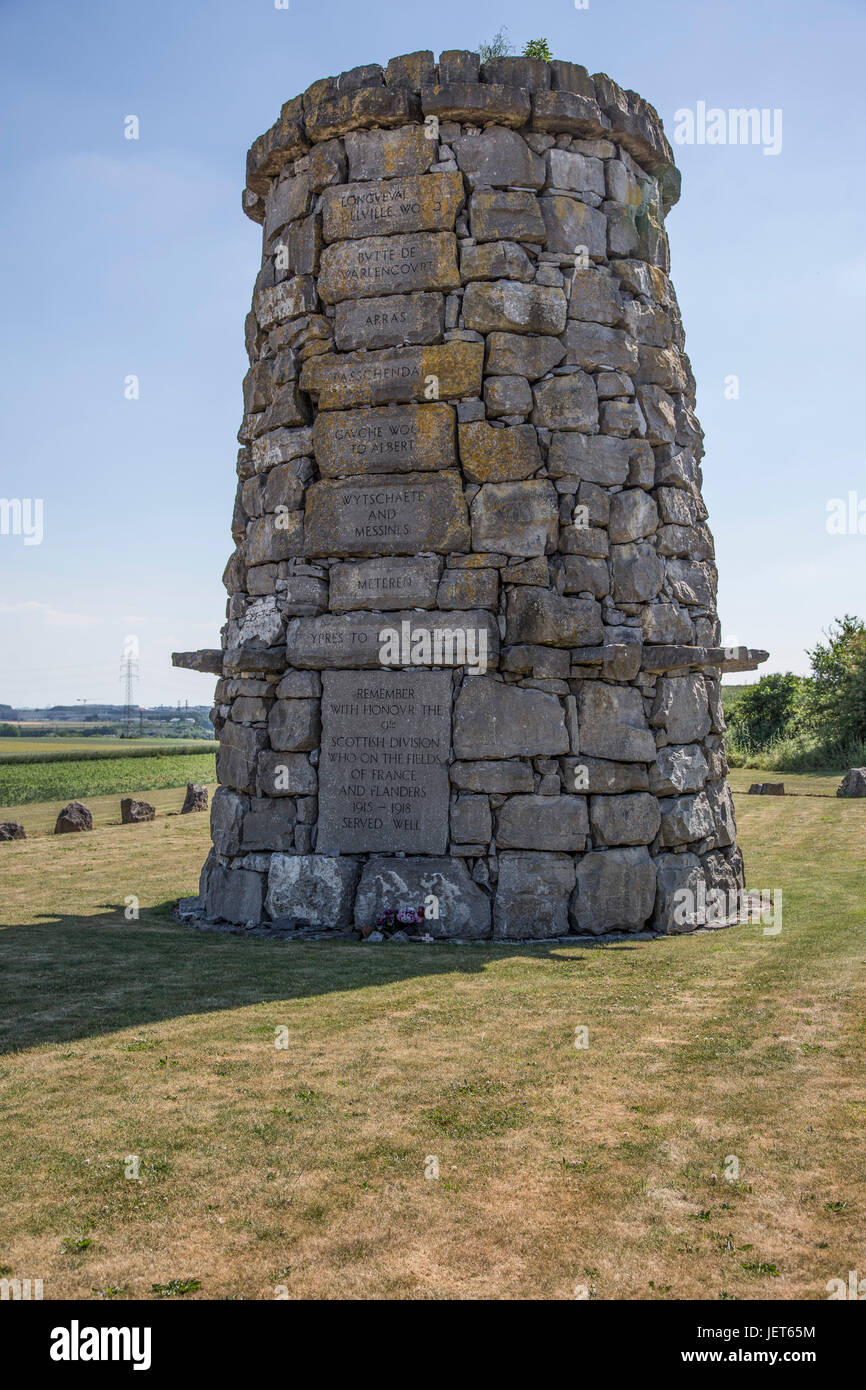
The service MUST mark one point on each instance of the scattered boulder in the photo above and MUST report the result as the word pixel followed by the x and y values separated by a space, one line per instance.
pixel 853 783
pixel 132 811
pixel 768 789
pixel 195 799
pixel 75 816
pixel 12 830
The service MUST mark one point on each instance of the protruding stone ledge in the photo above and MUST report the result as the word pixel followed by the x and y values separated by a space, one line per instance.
pixel 208 660
pixel 556 98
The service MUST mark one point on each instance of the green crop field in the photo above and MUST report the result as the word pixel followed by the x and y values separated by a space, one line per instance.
pixel 22 782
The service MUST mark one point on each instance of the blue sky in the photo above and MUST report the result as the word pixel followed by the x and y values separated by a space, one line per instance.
pixel 128 257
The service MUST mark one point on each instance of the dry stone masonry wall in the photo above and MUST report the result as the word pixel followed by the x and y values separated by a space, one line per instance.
pixel 469 432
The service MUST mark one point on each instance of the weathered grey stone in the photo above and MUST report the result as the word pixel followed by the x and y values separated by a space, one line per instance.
pixel 681 710
pixel 491 455
pixel 293 725
pixel 312 889
pixel 495 260
pixel 285 774
pixel 390 885
pixel 497 778
pixel 680 768
pixel 681 884
pixel 274 537
pixel 543 823
pixel 594 458
pixel 508 395
pixel 366 106
pixel 233 895
pixel 594 345
pixel 692 582
pixel 638 572
pixel 468 588
pixel 615 891
pixel 392 514
pixel 385 584
pixel 571 223
pixel 227 813
pixel 132 811
pixel 516 518
pixel 595 297
pixel 566 171
pixel 601 777
pixel 686 819
pixel 287 300
pixel 511 307
pixel 577 574
pixel 375 208
pixel 613 724
pixel 299 685
pixel 566 403
pixel 494 720
pixel 394 374
pixel 389 439
pixel 304 596
pixel 393 320
pixel 195 799
pixel 389 154
pixel 501 214
pixel 477 102
pixel 632 819
pixel 538 615
pixel 853 783
pixel 532 894
pixel 510 353
pixel 722 808
pixel 498 157
pixel 664 622
pixel 238 750
pixel 471 821
pixel 633 515
pixel 269 825
pixel 12 830
pixel 391 265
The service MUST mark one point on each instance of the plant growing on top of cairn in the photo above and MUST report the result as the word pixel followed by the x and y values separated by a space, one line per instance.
pixel 538 48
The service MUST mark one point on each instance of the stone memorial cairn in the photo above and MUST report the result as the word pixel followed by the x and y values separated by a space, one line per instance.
pixel 471 662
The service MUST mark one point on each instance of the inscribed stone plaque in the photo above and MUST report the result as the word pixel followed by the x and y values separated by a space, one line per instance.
pixel 428 203
pixel 391 514
pixel 389 265
pixel 340 380
pixel 383 771
pixel 384 439
pixel 394 320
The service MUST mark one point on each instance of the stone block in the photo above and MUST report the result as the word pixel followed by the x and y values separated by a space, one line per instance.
pixel 613 723
pixel 386 207
pixel 312 889
pixel 630 819
pixel 615 891
pixel 491 455
pixel 378 265
pixel 515 518
pixel 532 895
pixel 391 885
pixel 389 321
pixel 391 514
pixel 511 307
pixel 389 439
pixel 385 584
pixel 551 823
pixel 494 720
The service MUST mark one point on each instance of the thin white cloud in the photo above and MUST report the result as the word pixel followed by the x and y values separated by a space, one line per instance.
pixel 52 617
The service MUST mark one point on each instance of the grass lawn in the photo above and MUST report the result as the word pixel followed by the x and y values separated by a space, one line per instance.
pixel 303 1168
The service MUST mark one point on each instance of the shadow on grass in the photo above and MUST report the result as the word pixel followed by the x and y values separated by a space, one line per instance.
pixel 72 977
